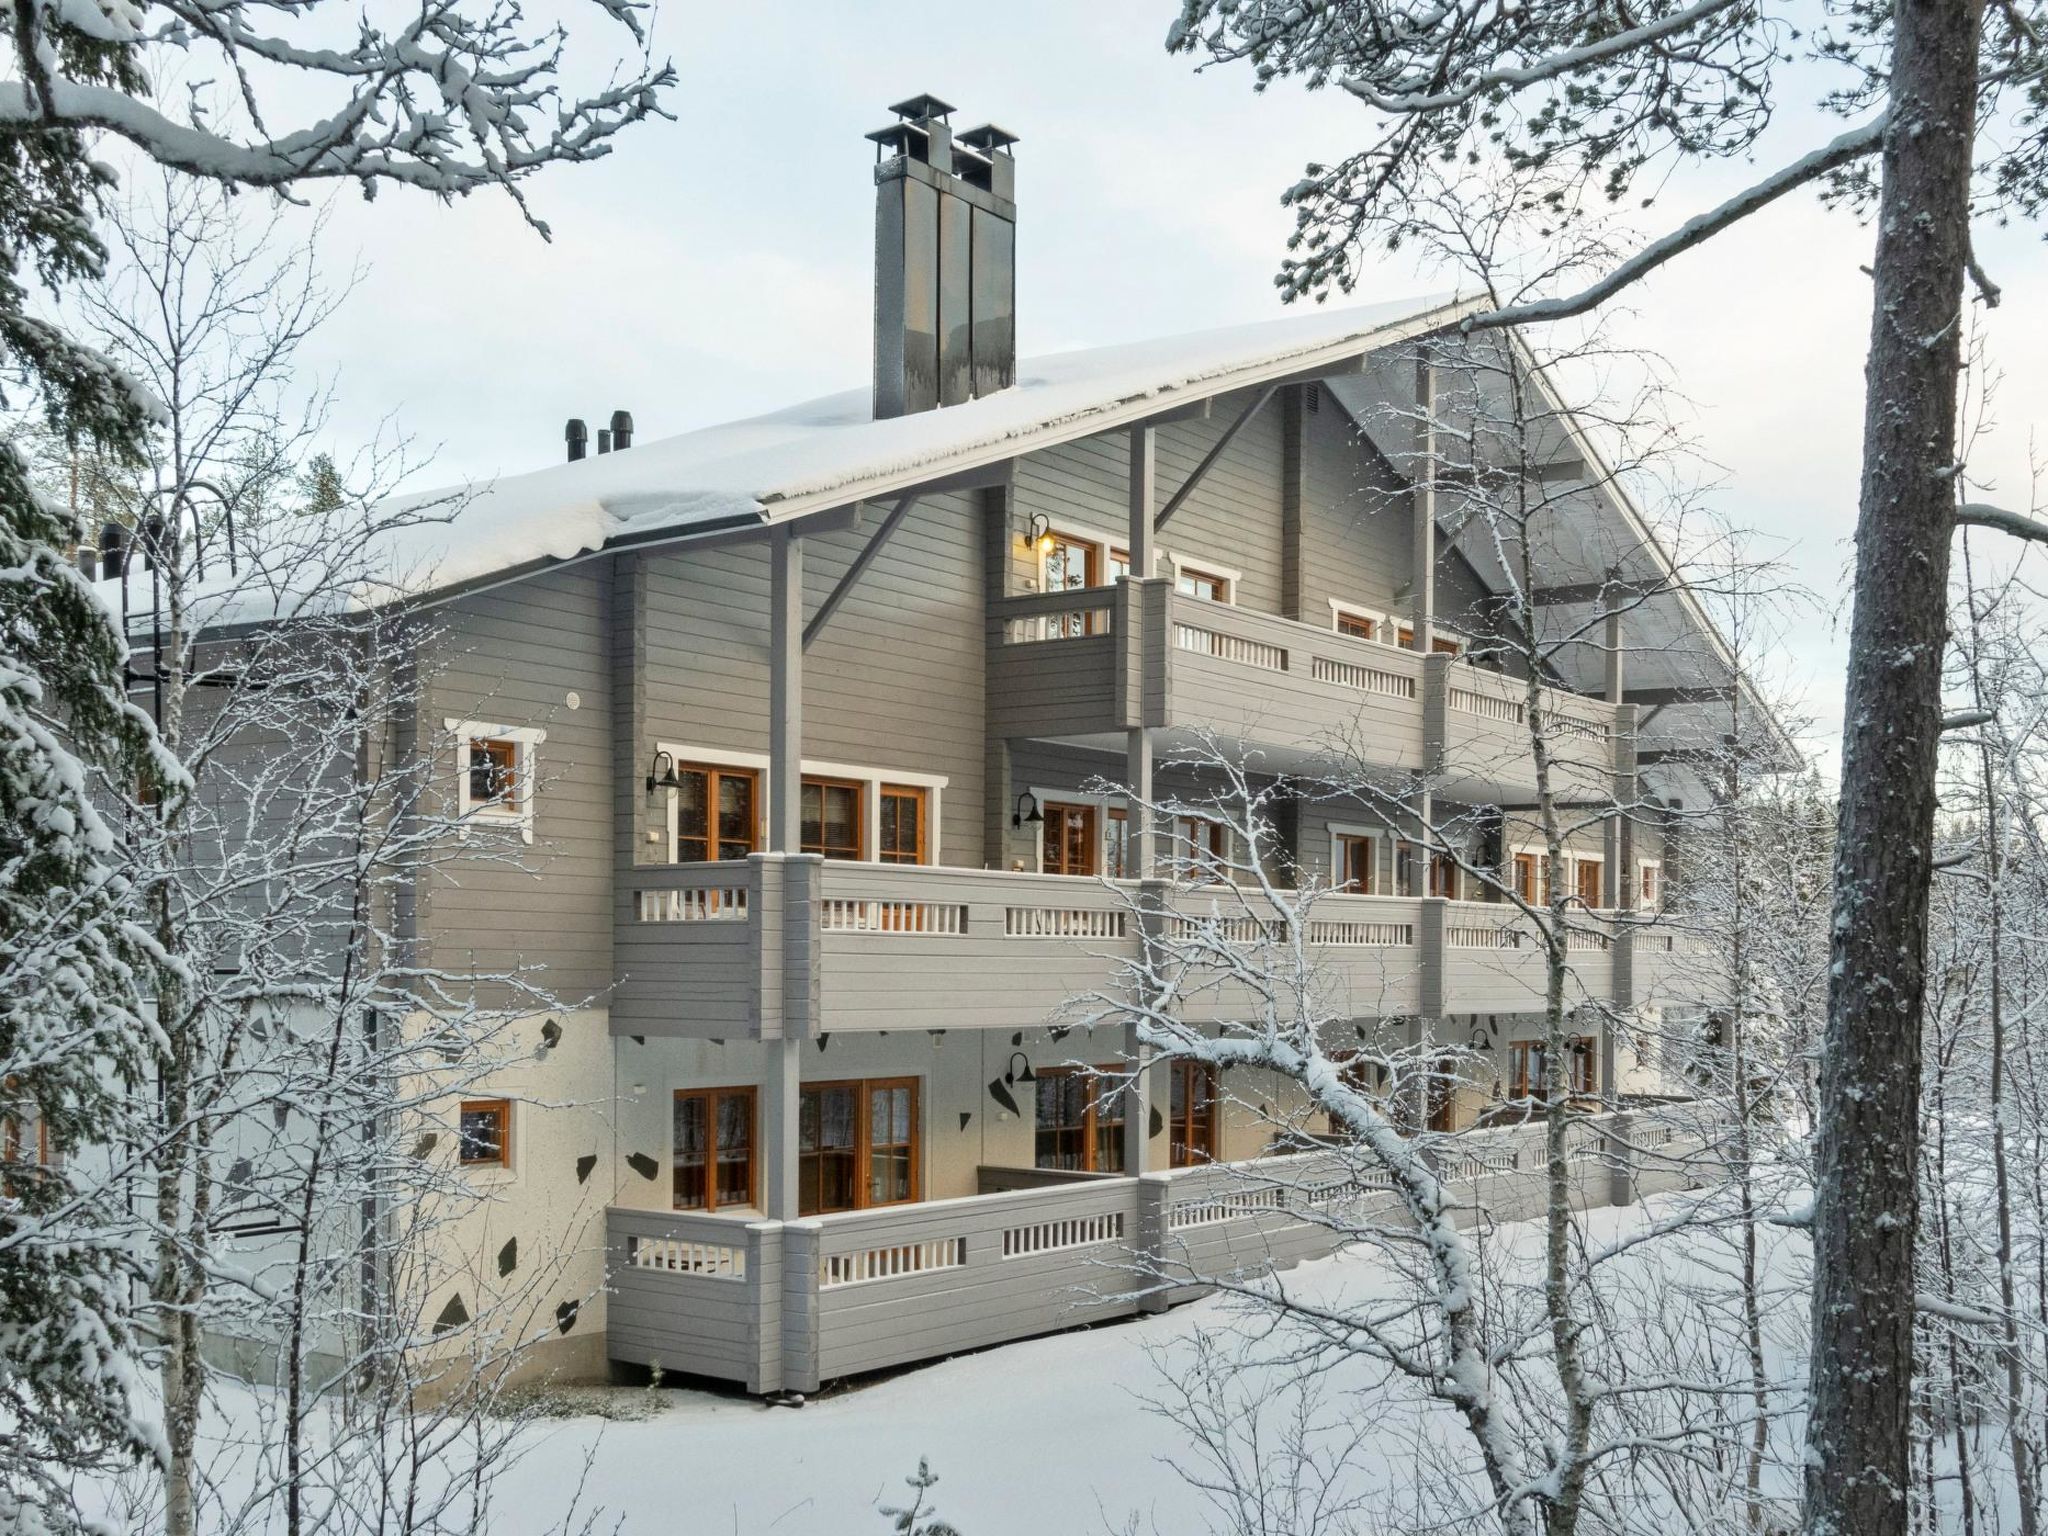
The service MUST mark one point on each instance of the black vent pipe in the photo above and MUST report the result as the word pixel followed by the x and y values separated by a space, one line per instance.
pixel 622 429
pixel 578 437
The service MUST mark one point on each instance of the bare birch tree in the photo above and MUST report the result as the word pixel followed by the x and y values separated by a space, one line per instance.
pixel 1946 129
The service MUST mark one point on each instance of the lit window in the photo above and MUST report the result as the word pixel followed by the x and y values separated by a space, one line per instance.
pixel 1191 1109
pixel 1358 625
pixel 494 787
pixel 484 1133
pixel 1652 884
pixel 1530 885
pixel 1201 849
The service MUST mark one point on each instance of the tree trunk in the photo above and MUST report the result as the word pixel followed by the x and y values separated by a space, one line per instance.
pixel 1867 1140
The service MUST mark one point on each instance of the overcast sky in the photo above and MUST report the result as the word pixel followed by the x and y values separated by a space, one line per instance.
pixel 720 265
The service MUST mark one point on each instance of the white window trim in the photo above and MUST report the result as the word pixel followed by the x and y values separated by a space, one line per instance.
pixel 525 738
pixel 1103 805
pixel 1383 623
pixel 1233 579
pixel 1338 832
pixel 871 781
pixel 1635 894
pixel 1578 859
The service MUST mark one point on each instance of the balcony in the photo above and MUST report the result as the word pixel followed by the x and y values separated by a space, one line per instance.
pixel 1084 667
pixel 790 1305
pixel 791 946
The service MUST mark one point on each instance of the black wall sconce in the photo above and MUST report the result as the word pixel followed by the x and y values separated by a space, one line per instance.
pixel 1027 813
pixel 999 1087
pixel 1040 532
pixel 661 774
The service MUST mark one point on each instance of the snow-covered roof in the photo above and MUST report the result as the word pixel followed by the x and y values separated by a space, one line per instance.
pixel 831 452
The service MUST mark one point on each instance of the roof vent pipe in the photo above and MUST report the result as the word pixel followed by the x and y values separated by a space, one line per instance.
pixel 622 429
pixel 114 548
pixel 945 260
pixel 604 439
pixel 578 437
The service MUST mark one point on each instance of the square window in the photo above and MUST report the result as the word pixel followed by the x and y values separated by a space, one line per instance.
pixel 484 1133
pixel 494 776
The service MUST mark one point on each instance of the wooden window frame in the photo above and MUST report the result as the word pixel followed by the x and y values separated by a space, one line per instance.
pixel 1582 1075
pixel 1446 877
pixel 821 783
pixel 1206 865
pixel 1342 845
pixel 503 1109
pixel 711 1096
pixel 516 807
pixel 863 1137
pixel 1538 892
pixel 1093 812
pixel 920 852
pixel 1194 1071
pixel 1195 575
pixel 1650 884
pixel 1439 644
pixel 1092 1120
pixel 713 772
pixel 1580 864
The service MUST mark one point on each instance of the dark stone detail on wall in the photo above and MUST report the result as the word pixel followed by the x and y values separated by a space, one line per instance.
pixel 281 1114
pixel 1059 1032
pixel 425 1145
pixel 824 1039
pixel 454 1315
pixel 565 1315
pixel 1158 1122
pixel 643 1165
pixel 551 1034
pixel 965 1116
pixel 1000 1092
pixel 1017 1039
pixel 585 1166
pixel 508 1257
pixel 241 1173
pixel 716 1041
pixel 637 1039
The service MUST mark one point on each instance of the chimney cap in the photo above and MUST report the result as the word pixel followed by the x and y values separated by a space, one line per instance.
pixel 622 421
pixel 921 108
pixel 988 137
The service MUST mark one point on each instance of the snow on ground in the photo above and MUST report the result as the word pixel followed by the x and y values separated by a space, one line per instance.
pixel 1048 1435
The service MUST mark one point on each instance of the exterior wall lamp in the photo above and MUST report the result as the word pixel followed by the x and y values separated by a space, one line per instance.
pixel 1027 813
pixel 661 774
pixel 1040 532
pixel 1011 1072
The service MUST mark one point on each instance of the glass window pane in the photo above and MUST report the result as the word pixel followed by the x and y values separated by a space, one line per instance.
pixel 690 1188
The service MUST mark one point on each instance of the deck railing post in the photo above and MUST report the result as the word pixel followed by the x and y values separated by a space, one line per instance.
pixel 1155 1203
pixel 765 1372
pixel 1620 1132
pixel 799 1306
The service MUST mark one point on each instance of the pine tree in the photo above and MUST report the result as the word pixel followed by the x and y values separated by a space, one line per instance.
pixel 72 1034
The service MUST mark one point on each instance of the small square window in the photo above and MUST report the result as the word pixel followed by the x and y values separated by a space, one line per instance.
pixel 484 1135
pixel 494 776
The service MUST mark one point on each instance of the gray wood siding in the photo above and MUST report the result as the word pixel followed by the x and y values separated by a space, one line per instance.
pixel 894 681
pixel 511 657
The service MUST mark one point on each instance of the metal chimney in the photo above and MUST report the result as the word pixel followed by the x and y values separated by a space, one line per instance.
pixel 945 260
pixel 622 429
pixel 604 439
pixel 578 436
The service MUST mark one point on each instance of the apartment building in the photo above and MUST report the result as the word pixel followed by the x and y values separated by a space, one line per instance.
pixel 834 733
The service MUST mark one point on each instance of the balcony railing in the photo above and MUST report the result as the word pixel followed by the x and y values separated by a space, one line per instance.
pixel 772 945
pixel 1105 659
pixel 778 1305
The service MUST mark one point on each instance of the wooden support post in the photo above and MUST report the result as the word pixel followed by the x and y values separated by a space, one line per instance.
pixel 1422 578
pixel 1144 488
pixel 781 1097
pixel 785 690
